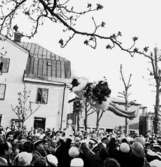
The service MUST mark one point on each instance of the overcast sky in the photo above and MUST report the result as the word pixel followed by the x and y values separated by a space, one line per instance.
pixel 132 18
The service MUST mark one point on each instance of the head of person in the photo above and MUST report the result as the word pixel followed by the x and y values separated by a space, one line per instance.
pixel 138 150
pixel 51 160
pixel 141 140
pixel 6 148
pixel 124 148
pixel 74 152
pixel 39 146
pixel 23 159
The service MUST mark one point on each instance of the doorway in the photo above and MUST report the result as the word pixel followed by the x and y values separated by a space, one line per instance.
pixel 39 122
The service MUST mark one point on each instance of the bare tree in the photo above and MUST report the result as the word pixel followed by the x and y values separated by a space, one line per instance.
pixel 65 12
pixel 99 114
pixel 155 72
pixel 125 95
pixel 93 95
pixel 24 108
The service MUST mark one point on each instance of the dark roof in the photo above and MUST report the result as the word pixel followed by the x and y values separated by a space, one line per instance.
pixel 44 64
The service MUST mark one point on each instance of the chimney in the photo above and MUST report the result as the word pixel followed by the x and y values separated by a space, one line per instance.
pixel 17 34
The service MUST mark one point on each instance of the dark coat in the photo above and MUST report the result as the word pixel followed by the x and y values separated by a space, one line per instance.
pixel 90 158
pixel 62 154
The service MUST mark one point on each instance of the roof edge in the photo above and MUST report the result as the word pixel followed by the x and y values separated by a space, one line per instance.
pixel 14 43
pixel 56 82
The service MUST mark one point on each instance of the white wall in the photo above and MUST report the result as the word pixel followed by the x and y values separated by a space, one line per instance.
pixel 14 84
pixel 52 110
pixel 12 79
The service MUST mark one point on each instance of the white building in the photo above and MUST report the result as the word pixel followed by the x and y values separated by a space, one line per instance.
pixel 44 74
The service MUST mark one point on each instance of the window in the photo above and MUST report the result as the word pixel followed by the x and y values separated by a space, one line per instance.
pixel 2 91
pixel 42 96
pixel 39 122
pixel 16 123
pixel 4 64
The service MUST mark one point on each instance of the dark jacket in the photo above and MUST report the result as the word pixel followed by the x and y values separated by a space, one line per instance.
pixel 62 154
pixel 90 158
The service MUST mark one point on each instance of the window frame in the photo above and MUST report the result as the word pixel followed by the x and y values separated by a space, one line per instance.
pixel 1 60
pixel 40 102
pixel 3 98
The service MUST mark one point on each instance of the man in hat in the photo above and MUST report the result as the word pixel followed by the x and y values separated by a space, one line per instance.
pixel 101 149
pixel 89 157
pixel 62 152
pixel 39 150
pixel 138 155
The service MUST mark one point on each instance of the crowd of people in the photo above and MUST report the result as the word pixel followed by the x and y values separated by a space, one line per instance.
pixel 81 149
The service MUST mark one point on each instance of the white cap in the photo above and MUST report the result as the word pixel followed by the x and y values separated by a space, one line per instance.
pixel 76 162
pixel 51 159
pixel 73 152
pixel 124 147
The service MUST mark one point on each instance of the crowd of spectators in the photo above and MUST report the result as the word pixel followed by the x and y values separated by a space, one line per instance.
pixel 19 147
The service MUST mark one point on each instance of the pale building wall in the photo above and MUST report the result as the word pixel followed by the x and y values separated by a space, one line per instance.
pixel 14 84
pixel 52 110
pixel 12 79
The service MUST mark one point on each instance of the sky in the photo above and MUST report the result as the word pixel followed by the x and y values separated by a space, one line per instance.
pixel 132 18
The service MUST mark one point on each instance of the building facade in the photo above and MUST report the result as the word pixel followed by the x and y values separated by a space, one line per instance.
pixel 44 74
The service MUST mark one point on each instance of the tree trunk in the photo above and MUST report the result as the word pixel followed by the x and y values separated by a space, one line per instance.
pixel 78 122
pixel 126 109
pixel 126 126
pixel 97 119
pixel 85 117
pixel 156 110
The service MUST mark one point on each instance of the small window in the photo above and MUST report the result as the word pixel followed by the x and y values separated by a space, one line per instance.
pixel 42 96
pixel 2 91
pixel 4 65
pixel 49 63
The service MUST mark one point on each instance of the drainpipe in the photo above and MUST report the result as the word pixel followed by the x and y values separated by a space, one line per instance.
pixel 62 111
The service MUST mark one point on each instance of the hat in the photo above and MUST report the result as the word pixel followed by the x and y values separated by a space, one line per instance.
pixel 37 142
pixel 138 149
pixel 52 160
pixel 140 140
pixel 124 147
pixel 104 138
pixel 23 159
pixel 93 141
pixel 3 162
pixel 77 162
pixel 73 152
pixel 155 163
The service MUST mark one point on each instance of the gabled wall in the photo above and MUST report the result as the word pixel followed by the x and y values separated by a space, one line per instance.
pixel 15 83
pixel 12 79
